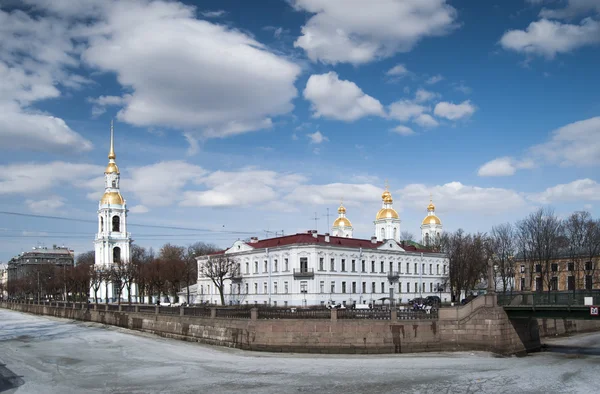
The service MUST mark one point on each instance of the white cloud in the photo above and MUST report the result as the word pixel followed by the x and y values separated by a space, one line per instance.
pixel 548 38
pixel 354 31
pixel 334 192
pixel 576 144
pixel 46 206
pixel 463 198
pixel 422 95
pixel 403 130
pixel 32 178
pixel 224 187
pixel 161 184
pixel 317 137
pixel 100 103
pixel 573 8
pixel 397 71
pixel 453 111
pixel 338 99
pixel 579 190
pixel 139 209
pixel 404 110
pixel 434 79
pixel 426 120
pixel 503 166
pixel 213 14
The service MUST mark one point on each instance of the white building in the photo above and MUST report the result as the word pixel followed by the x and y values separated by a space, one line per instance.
pixel 431 227
pixel 312 269
pixel 112 243
pixel 3 281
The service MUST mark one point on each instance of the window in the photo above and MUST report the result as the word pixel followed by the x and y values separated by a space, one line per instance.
pixel 284 303
pixel 399 287
pixel 353 287
pixel 381 267
pixel 343 265
pixel 372 266
pixel 382 234
pixel 571 283
pixel 399 268
pixel 202 288
pixel 408 268
pixel 588 266
pixel 247 267
pixel 286 265
pixel 364 269
pixel 332 287
pixel 285 287
pixel 332 265
pixel 588 282
pixel 372 287
pixel 383 287
pixel 322 287
pixel 554 267
pixel 275 288
pixel 431 287
pixel 416 287
pixel 275 265
pixel 522 284
pixel 430 269
pixel 353 265
pixel 538 284
pixel 116 224
pixel 256 288
pixel 395 232
pixel 246 289
pixel 303 264
pixel 538 268
pixel 321 268
pixel 101 224
pixel 116 254
pixel 570 267
pixel 416 268
pixel 265 266
pixel 522 269
pixel 437 269
pixel 275 303
pixel 364 287
pixel 344 287
pixel 422 268
pixel 265 288
pixel 554 283
pixel 408 287
pixel 444 270
pixel 303 287
pixel 256 267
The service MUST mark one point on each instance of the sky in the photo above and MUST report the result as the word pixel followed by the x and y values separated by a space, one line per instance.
pixel 235 118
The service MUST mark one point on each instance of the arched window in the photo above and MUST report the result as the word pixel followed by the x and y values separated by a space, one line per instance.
pixel 382 234
pixel 101 224
pixel 116 254
pixel 395 232
pixel 427 239
pixel 116 222
pixel 114 184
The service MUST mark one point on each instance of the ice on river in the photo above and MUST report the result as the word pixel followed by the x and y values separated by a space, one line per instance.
pixel 47 355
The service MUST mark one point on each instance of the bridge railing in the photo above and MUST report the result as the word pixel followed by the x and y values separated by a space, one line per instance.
pixel 565 298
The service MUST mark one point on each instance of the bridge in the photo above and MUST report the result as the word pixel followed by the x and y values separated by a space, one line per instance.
pixel 553 304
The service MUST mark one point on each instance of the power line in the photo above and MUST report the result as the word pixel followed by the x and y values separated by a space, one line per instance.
pixel 129 224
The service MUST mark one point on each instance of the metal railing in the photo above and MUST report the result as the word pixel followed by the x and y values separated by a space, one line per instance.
pixel 306 273
pixel 418 315
pixel 294 313
pixel 552 298
pixel 231 313
pixel 147 308
pixel 169 310
pixel 196 311
pixel 374 314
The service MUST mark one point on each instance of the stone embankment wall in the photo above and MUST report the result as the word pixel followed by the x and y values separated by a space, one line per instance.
pixel 480 325
pixel 556 327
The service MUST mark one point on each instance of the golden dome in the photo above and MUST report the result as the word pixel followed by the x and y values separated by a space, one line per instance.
pixel 112 168
pixel 431 207
pixel 387 196
pixel 341 209
pixel 431 219
pixel 113 198
pixel 387 213
pixel 342 222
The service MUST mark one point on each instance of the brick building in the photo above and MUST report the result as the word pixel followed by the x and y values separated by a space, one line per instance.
pixel 564 273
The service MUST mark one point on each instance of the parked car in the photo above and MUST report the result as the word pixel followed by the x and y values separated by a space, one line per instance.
pixel 333 305
pixel 434 300
pixel 469 298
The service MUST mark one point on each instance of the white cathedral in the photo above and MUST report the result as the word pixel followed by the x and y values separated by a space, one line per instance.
pixel 113 242
pixel 314 269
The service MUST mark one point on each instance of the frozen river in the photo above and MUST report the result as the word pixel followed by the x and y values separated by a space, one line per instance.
pixel 47 355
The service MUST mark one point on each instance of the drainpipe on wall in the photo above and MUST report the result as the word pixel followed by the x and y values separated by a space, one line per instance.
pixel 269 266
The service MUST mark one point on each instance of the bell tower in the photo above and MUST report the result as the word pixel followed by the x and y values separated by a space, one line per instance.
pixel 112 243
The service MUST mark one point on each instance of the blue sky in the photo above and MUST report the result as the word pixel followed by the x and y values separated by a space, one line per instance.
pixel 239 117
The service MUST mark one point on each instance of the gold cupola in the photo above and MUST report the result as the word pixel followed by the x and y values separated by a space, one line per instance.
pixel 431 217
pixel 387 212
pixel 342 220
pixel 112 168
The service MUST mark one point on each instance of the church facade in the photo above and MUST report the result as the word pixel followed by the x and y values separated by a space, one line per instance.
pixel 113 242
pixel 316 269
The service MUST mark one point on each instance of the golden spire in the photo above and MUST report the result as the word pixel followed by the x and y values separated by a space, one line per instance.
pixel 111 153
pixel 431 207
pixel 387 196
pixel 341 209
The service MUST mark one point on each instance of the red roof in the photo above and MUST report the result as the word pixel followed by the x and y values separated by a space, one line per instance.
pixel 306 238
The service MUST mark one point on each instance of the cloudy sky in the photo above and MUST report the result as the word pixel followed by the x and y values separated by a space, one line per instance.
pixel 237 117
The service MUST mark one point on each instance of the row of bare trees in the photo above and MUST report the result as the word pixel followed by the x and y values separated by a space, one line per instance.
pixel 165 273
pixel 536 242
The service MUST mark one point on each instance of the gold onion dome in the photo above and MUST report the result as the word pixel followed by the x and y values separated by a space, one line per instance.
pixel 431 219
pixel 112 198
pixel 387 213
pixel 431 207
pixel 341 209
pixel 387 197
pixel 342 222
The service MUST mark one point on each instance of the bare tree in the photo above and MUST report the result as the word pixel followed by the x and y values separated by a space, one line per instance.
pixel 190 270
pixel 502 244
pixel 116 274
pixel 407 236
pixel 592 248
pixel 575 230
pixel 97 277
pixel 217 268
